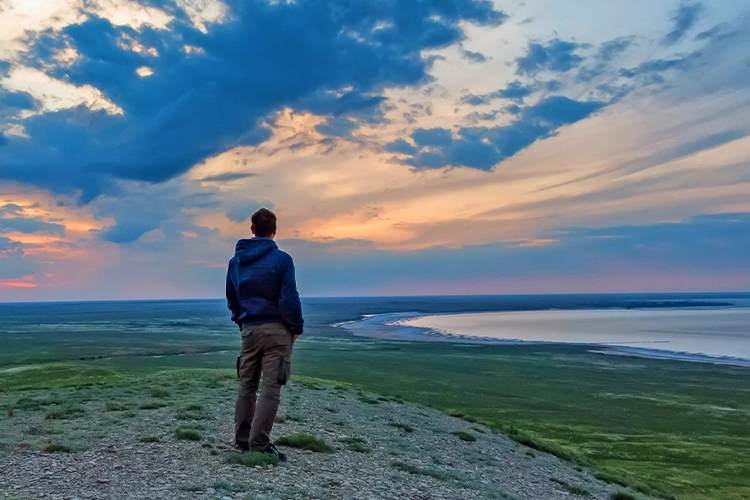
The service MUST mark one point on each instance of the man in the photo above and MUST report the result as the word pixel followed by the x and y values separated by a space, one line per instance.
pixel 262 295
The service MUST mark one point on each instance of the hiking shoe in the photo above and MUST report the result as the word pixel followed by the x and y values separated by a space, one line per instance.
pixel 274 452
pixel 241 447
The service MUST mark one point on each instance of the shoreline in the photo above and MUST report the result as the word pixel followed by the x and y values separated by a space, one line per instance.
pixel 396 326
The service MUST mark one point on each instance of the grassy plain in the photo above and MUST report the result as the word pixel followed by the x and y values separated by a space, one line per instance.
pixel 675 428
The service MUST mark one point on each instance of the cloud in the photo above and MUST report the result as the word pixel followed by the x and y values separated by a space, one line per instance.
pixel 11 209
pixel 475 57
pixel 717 32
pixel 164 209
pixel 556 55
pixel 660 256
pixel 227 177
pixel 30 226
pixel 484 147
pixel 702 242
pixel 651 71
pixel 683 19
pixel 337 127
pixel 333 58
pixel 515 91
pixel 612 48
pixel 241 211
pixel 14 263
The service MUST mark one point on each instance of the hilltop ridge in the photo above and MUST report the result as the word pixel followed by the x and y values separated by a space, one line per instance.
pixel 167 436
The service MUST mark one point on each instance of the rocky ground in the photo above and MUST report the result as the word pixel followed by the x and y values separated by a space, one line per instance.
pixel 120 442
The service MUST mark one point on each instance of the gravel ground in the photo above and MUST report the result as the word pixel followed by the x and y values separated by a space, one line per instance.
pixel 405 451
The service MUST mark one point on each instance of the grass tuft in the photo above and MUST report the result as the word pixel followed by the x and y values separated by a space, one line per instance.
pixel 152 405
pixel 305 442
pixel 56 448
pixel 64 413
pixel 160 393
pixel 622 495
pixel 572 488
pixel 112 406
pixel 252 459
pixel 187 434
pixel 148 439
pixel 227 485
pixel 465 436
pixel 356 444
pixel 533 441
pixel 403 427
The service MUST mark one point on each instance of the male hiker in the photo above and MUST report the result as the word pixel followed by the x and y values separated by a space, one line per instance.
pixel 262 295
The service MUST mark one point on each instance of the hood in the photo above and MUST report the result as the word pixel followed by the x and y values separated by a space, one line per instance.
pixel 248 251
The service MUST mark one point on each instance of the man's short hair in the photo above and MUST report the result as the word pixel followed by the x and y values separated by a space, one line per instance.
pixel 264 222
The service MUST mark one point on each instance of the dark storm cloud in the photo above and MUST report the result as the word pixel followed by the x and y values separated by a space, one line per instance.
pixel 332 58
pixel 483 147
pixel 557 55
pixel 683 19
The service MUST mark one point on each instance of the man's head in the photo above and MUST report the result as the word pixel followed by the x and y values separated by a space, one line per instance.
pixel 263 223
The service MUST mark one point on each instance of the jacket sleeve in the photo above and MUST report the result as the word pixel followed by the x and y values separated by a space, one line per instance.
pixel 232 302
pixel 290 307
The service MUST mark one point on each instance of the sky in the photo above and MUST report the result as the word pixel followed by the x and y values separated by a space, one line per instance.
pixel 406 146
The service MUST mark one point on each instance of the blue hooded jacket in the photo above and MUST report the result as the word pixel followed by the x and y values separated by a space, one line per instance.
pixel 261 287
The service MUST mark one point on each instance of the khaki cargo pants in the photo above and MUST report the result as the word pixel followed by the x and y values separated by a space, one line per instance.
pixel 266 349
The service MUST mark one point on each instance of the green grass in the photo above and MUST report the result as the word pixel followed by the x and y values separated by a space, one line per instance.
pixel 572 488
pixel 56 448
pixel 187 434
pixel 66 412
pixel 112 406
pixel 305 442
pixel 623 495
pixel 356 444
pixel 403 427
pixel 644 419
pixel 659 426
pixel 251 459
pixel 160 393
pixel 465 436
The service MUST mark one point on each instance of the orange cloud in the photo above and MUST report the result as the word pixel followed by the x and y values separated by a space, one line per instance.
pixel 25 282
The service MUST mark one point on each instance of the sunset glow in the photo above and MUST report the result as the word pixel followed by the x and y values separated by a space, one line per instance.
pixel 480 148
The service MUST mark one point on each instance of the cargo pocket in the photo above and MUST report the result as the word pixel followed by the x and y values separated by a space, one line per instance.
pixel 238 366
pixel 285 369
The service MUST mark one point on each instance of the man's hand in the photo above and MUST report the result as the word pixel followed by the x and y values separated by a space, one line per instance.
pixel 295 337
